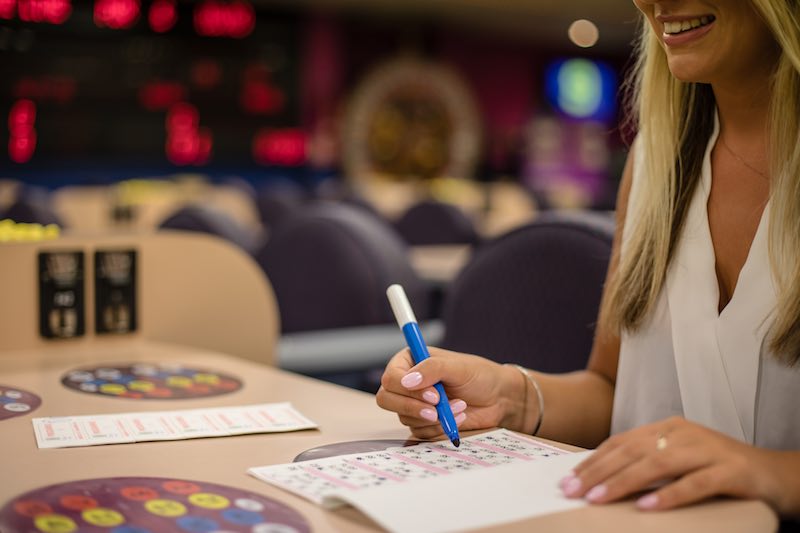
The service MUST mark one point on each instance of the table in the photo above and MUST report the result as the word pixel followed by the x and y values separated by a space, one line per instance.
pixel 439 263
pixel 342 414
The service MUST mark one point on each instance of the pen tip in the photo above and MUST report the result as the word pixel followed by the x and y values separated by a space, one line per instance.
pixel 456 442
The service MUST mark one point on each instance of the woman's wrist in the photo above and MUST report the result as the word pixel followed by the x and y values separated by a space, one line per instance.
pixel 522 401
pixel 780 485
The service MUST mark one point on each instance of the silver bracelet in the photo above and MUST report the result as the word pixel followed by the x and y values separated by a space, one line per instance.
pixel 524 371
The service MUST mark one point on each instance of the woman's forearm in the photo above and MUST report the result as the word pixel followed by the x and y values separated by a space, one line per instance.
pixel 577 407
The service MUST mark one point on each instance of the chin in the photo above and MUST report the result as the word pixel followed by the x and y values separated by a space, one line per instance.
pixel 687 73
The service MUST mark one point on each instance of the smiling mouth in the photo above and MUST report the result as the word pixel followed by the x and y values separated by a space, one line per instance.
pixel 675 28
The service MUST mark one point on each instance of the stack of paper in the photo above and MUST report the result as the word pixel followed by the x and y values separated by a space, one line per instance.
pixel 492 478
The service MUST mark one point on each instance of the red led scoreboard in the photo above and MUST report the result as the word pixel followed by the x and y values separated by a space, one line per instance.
pixel 148 82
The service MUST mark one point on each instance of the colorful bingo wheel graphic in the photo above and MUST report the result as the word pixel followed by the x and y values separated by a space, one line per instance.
pixel 16 402
pixel 146 505
pixel 150 381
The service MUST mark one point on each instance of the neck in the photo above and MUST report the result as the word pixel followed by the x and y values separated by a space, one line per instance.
pixel 743 108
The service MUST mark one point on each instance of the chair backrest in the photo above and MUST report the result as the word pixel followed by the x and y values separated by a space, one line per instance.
pixel 278 202
pixel 432 222
pixel 32 206
pixel 330 266
pixel 532 296
pixel 192 289
pixel 212 221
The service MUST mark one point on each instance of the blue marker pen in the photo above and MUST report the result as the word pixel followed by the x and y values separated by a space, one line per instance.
pixel 419 351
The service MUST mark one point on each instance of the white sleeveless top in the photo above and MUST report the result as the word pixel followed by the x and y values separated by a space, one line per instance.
pixel 709 367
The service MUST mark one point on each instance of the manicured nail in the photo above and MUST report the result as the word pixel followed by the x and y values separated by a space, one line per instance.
pixel 458 406
pixel 459 418
pixel 572 487
pixel 430 397
pixel 566 479
pixel 411 380
pixel 597 493
pixel 429 414
pixel 647 502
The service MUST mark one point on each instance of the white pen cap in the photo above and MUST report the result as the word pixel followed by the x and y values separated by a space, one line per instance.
pixel 400 306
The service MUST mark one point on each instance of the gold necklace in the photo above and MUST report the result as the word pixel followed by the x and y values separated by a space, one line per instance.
pixel 742 161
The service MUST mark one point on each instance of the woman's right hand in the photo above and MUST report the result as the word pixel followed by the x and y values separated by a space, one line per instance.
pixel 483 394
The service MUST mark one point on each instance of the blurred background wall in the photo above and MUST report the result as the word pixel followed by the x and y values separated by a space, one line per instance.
pixel 375 95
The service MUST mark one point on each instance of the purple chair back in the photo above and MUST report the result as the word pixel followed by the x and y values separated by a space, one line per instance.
pixel 211 221
pixel 532 296
pixel 432 222
pixel 275 204
pixel 330 265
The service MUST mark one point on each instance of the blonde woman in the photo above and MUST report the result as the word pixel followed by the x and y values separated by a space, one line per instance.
pixel 694 371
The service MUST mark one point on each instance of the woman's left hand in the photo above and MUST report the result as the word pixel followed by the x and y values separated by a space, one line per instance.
pixel 693 461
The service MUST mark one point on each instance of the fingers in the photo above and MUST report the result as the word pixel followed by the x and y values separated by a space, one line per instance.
pixel 427 430
pixel 402 380
pixel 697 463
pixel 647 434
pixel 690 488
pixel 599 487
pixel 416 406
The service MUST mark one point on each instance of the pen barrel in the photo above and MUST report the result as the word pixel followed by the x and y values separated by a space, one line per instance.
pixel 419 351
pixel 446 418
pixel 413 335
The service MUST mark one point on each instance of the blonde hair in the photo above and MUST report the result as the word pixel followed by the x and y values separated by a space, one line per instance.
pixel 675 122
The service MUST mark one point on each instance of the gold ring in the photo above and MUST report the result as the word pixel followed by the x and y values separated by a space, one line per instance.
pixel 661 442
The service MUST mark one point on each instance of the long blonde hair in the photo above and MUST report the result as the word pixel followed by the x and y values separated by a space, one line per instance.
pixel 675 122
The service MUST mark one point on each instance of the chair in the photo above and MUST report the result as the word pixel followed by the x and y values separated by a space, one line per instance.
pixel 337 190
pixel 275 203
pixel 204 219
pixel 32 206
pixel 531 296
pixel 330 266
pixel 192 289
pixel 432 222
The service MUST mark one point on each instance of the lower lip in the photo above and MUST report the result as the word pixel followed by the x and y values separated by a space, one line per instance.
pixel 680 39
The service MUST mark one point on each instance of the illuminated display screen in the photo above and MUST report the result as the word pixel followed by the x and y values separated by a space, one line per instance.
pixel 582 89
pixel 160 83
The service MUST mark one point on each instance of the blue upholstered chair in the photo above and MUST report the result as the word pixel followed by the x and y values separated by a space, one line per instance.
pixel 531 296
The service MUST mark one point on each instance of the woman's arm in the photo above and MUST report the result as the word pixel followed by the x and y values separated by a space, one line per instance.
pixel 577 405
pixel 694 461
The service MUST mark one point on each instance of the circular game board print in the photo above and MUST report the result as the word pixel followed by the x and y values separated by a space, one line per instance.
pixel 16 402
pixel 150 381
pixel 346 448
pixel 146 505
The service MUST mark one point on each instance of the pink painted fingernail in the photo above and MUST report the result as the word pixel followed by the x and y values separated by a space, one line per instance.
pixel 430 397
pixel 459 418
pixel 647 502
pixel 458 406
pixel 597 493
pixel 566 479
pixel 411 380
pixel 429 414
pixel 572 486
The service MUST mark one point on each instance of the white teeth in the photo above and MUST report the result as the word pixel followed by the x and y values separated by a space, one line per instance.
pixel 672 28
